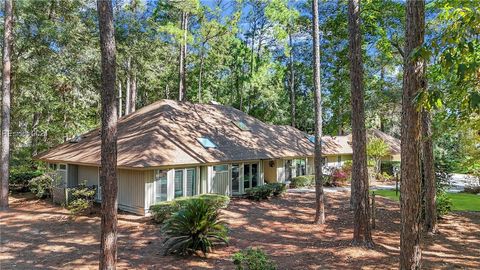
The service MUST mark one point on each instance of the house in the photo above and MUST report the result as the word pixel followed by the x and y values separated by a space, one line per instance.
pixel 338 149
pixel 173 149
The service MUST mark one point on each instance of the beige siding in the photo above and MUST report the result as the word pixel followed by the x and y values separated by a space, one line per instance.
pixel 270 172
pixel 88 174
pixel 131 191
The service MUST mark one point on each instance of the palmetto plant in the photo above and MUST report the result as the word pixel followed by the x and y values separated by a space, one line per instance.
pixel 195 227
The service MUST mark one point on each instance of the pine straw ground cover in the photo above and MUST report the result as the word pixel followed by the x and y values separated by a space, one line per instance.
pixel 37 234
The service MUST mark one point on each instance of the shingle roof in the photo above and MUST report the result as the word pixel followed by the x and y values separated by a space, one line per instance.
pixel 165 133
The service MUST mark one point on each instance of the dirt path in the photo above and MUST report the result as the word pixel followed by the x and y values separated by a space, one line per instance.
pixel 36 234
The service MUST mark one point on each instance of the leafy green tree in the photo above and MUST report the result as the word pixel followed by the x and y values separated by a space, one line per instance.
pixel 376 150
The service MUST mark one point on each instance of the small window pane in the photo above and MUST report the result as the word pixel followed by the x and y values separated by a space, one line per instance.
pixel 191 182
pixel 254 175
pixel 178 183
pixel 62 167
pixel 220 168
pixel 53 166
pixel 246 176
pixel 235 178
pixel 160 186
pixel 206 142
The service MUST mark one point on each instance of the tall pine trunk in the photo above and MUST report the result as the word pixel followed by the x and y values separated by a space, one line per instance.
pixel 128 85
pixel 120 98
pixel 133 93
pixel 108 170
pixel 6 88
pixel 319 196
pixel 182 59
pixel 413 83
pixel 292 84
pixel 361 230
pixel 430 222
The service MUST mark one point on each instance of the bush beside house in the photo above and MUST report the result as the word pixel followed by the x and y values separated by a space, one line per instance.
pixel 164 210
pixel 265 191
pixel 41 186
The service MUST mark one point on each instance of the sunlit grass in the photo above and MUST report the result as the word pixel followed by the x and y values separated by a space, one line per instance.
pixel 461 201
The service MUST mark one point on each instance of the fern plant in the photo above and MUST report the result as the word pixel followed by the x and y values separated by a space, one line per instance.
pixel 195 227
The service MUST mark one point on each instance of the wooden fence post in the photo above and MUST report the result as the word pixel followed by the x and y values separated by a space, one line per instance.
pixel 373 210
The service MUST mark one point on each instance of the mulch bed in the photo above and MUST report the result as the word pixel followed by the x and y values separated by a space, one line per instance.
pixel 38 234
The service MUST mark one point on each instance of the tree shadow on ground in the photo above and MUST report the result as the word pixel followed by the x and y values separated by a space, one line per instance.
pixel 37 234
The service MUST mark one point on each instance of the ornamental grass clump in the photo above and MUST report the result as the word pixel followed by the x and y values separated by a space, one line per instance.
pixel 195 227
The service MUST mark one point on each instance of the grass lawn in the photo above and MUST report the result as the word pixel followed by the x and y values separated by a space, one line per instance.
pixel 461 201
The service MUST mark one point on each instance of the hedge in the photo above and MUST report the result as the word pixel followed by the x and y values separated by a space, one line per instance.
pixel 302 181
pixel 162 211
pixel 265 191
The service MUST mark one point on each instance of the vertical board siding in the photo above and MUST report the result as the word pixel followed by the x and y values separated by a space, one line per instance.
pixel 88 174
pixel 131 191
pixel 221 183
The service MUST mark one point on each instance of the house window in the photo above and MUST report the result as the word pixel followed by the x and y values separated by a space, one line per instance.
pixel 254 175
pixel 241 125
pixel 52 166
pixel 301 167
pixel 220 168
pixel 191 182
pixel 185 182
pixel 250 175
pixel 160 186
pixel 178 183
pixel 339 159
pixel 62 167
pixel 206 142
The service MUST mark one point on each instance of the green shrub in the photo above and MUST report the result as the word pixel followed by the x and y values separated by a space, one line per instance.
pixel 19 177
pixel 253 259
pixel 41 186
pixel 82 199
pixel 302 181
pixel 278 188
pixel 442 182
pixel 195 227
pixel 390 167
pixel 164 210
pixel 259 193
pixel 265 191
pixel 444 204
